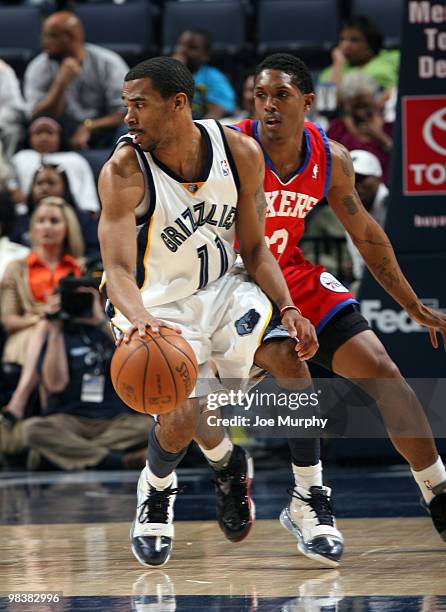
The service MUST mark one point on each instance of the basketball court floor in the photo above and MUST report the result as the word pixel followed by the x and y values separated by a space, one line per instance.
pixel 69 533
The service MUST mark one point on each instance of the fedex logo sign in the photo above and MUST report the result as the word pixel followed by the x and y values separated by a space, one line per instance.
pixel 424 145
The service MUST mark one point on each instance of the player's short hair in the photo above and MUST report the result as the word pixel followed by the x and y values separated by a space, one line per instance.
pixel 369 30
pixel 168 76
pixel 294 66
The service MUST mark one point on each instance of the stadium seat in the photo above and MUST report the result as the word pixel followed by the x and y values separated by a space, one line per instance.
pixel 304 26
pixel 223 19
pixel 19 35
pixel 125 28
pixel 386 14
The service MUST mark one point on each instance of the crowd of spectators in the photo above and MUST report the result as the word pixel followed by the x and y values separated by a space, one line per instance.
pixel 61 410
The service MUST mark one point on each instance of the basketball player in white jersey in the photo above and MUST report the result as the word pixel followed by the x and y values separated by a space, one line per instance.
pixel 190 186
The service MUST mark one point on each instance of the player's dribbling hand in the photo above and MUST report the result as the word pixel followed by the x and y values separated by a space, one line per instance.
pixel 141 324
pixel 302 330
pixel 434 320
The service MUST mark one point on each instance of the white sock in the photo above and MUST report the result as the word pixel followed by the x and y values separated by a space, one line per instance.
pixel 219 452
pixel 429 478
pixel 158 482
pixel 308 476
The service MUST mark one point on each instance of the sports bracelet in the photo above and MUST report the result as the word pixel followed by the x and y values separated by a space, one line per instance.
pixel 285 308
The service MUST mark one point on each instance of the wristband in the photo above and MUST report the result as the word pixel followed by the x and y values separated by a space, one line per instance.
pixel 285 308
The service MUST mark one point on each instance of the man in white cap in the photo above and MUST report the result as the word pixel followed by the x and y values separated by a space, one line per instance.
pixel 374 195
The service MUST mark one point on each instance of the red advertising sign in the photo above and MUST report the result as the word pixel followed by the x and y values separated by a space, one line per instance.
pixel 424 145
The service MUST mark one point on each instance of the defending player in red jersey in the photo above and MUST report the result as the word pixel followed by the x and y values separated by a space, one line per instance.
pixel 289 200
pixel 301 167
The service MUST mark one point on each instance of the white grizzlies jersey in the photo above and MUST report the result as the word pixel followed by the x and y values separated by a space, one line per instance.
pixel 185 231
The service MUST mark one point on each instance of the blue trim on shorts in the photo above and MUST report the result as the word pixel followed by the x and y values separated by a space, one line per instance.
pixel 275 329
pixel 331 313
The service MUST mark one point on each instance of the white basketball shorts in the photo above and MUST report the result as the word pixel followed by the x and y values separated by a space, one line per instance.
pixel 224 323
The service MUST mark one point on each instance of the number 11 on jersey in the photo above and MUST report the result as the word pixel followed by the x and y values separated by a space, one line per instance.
pixel 203 256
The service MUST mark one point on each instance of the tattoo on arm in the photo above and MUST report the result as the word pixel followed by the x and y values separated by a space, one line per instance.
pixel 373 235
pixel 259 197
pixel 375 243
pixel 350 205
pixel 260 201
pixel 363 241
pixel 346 163
pixel 386 273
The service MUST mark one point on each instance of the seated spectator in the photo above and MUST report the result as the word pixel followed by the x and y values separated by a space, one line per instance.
pixel 50 180
pixel 9 251
pixel 85 424
pixel 374 195
pixel 214 95
pixel 78 84
pixel 12 110
pixel 29 290
pixel 45 148
pixel 362 124
pixel 248 106
pixel 360 50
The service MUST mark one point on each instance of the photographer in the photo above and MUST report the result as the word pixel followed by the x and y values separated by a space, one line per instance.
pixel 85 425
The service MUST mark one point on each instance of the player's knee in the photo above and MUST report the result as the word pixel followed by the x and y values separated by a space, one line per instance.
pixel 282 362
pixel 384 367
pixel 179 426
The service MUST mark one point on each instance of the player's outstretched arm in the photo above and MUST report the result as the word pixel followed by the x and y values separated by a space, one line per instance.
pixel 374 244
pixel 121 189
pixel 250 227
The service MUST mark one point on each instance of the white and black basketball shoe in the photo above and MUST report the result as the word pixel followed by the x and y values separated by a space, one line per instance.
pixel 235 507
pixel 152 531
pixel 309 517
pixel 437 509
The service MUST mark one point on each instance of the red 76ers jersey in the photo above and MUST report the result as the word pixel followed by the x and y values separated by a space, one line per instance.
pixel 318 293
pixel 289 203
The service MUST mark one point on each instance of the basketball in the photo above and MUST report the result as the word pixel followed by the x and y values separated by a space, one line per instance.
pixel 155 373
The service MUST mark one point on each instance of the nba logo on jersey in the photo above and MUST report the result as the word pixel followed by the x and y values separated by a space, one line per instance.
pixel 315 171
pixel 224 167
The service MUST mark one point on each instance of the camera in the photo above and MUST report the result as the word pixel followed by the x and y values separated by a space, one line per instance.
pixel 75 303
